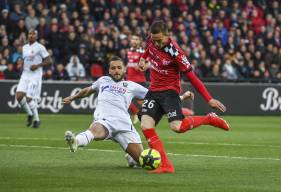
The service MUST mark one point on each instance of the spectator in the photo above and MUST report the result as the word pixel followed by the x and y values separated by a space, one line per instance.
pixel 229 72
pixel 60 73
pixel 5 20
pixel 10 72
pixel 220 32
pixel 17 13
pixel 212 29
pixel 31 21
pixel 75 69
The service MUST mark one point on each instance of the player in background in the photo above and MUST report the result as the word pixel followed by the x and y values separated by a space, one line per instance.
pixel 133 72
pixel 167 60
pixel 111 117
pixel 28 92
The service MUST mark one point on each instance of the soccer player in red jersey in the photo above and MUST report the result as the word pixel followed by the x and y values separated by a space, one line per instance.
pixel 167 60
pixel 133 55
pixel 133 71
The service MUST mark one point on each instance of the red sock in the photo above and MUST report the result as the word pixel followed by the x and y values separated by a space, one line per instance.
pixel 133 108
pixel 192 122
pixel 155 143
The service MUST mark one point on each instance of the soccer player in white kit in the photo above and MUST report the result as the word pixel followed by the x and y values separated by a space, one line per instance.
pixel 28 91
pixel 111 117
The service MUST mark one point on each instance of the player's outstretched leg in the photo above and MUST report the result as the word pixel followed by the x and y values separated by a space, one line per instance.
pixel 168 168
pixel 187 112
pixel 80 140
pixel 130 161
pixel 155 143
pixel 212 119
pixel 71 141
pixel 216 121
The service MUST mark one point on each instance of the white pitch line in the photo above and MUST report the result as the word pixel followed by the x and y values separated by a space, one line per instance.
pixel 224 144
pixel 171 142
pixel 174 154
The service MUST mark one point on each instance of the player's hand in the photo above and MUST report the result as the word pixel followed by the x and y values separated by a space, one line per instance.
pixel 67 100
pixel 187 95
pixel 217 105
pixel 143 66
pixel 34 67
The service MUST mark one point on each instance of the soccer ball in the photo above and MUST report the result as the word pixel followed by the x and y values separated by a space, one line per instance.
pixel 150 159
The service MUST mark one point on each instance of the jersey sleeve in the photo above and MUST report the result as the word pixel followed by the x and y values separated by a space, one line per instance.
pixel 96 85
pixel 182 62
pixel 139 91
pixel 178 55
pixel 43 52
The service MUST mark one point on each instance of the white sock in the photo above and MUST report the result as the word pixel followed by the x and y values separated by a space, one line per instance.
pixel 131 162
pixel 84 138
pixel 25 106
pixel 33 106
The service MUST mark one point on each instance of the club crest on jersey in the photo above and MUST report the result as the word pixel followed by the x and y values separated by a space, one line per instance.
pixel 125 84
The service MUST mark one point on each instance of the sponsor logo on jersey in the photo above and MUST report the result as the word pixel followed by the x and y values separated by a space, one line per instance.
pixel 125 84
pixel 172 114
pixel 114 89
pixel 104 87
pixel 166 62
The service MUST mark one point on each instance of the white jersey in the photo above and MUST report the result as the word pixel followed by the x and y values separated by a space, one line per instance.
pixel 114 98
pixel 33 55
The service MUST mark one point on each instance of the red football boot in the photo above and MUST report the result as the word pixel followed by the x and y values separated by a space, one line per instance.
pixel 167 168
pixel 216 121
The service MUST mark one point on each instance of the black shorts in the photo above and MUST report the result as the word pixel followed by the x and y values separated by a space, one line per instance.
pixel 159 103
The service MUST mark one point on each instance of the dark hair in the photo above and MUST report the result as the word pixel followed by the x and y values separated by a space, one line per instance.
pixel 135 34
pixel 115 58
pixel 159 26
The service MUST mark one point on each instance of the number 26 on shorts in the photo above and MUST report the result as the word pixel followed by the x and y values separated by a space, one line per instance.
pixel 149 104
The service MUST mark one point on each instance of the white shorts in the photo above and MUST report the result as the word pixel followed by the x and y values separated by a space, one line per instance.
pixel 124 137
pixel 31 87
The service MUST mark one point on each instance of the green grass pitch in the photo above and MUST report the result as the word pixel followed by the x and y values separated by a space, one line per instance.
pixel 247 158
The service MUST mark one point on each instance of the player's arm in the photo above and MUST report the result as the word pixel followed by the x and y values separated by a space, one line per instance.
pixel 200 87
pixel 184 65
pixel 46 61
pixel 143 64
pixel 83 93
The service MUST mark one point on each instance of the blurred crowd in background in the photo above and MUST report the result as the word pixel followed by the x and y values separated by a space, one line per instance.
pixel 225 40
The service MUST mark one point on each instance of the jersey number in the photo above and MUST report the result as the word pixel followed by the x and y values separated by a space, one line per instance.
pixel 149 104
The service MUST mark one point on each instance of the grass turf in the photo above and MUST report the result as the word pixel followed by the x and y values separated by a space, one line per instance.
pixel 245 159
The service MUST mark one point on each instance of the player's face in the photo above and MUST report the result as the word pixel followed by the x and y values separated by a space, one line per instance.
pixel 32 36
pixel 135 41
pixel 117 70
pixel 159 40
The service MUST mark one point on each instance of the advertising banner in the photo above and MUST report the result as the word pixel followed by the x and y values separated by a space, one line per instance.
pixel 240 99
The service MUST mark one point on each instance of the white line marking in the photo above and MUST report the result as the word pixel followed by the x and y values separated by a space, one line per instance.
pixel 174 154
pixel 171 142
pixel 223 144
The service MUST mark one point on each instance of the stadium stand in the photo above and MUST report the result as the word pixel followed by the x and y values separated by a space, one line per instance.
pixel 225 40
